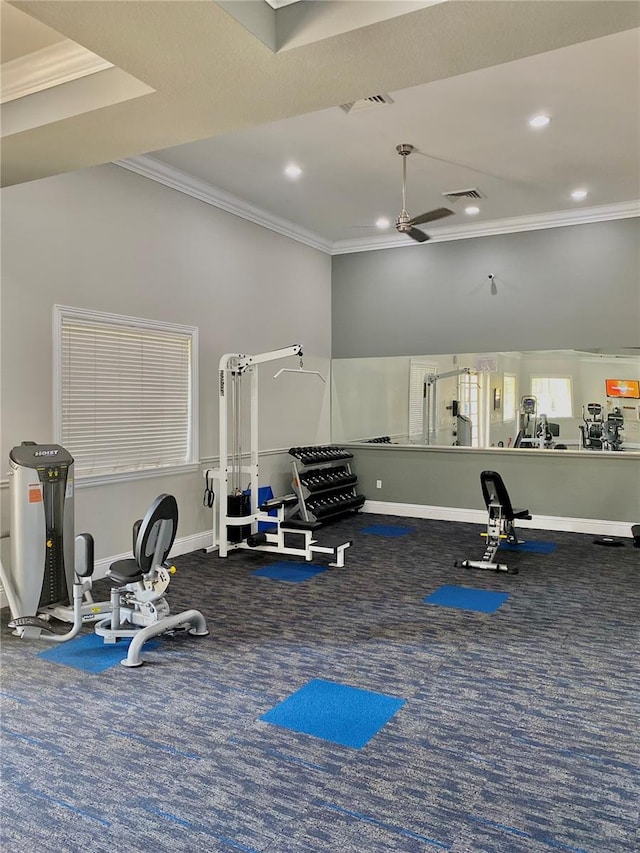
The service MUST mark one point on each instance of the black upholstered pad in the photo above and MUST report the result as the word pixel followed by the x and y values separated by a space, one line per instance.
pixel 163 509
pixel 125 571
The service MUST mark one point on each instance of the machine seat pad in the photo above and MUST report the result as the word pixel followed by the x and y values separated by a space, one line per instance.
pixel 276 503
pixel 521 513
pixel 125 571
pixel 295 525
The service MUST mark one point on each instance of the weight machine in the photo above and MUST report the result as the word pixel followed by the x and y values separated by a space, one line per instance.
pixel 49 575
pixel 138 607
pixel 49 567
pixel 612 440
pixel 238 513
pixel 596 433
pixel 430 419
pixel 534 431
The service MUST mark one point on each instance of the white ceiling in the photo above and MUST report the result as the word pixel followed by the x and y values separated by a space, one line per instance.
pixel 221 112
pixel 472 131
pixel 21 34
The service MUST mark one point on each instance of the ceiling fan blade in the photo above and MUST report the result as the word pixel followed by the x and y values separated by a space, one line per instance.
pixel 431 216
pixel 417 235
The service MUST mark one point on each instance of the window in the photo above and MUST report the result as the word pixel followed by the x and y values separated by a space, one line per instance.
pixel 553 394
pixel 509 397
pixel 125 392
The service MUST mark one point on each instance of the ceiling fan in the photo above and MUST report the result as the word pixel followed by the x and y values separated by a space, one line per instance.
pixel 405 224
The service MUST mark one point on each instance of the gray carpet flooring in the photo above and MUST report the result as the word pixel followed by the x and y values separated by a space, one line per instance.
pixel 519 731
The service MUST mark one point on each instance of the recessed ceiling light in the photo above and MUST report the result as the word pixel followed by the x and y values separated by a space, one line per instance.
pixel 539 121
pixel 472 210
pixel 382 222
pixel 579 195
pixel 293 171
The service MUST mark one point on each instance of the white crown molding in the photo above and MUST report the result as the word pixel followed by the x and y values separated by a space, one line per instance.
pixel 533 222
pixel 176 179
pixel 50 66
pixel 181 181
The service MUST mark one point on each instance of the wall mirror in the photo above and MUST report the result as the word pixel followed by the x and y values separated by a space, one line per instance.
pixel 548 399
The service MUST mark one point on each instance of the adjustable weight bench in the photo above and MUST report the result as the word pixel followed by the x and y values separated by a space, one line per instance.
pixel 500 523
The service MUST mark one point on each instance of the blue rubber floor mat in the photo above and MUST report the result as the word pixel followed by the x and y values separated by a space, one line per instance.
pixel 532 547
pixel 90 653
pixel 467 598
pixel 389 530
pixel 345 715
pixel 290 572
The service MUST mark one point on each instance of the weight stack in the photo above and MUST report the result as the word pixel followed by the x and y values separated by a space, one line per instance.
pixel 238 506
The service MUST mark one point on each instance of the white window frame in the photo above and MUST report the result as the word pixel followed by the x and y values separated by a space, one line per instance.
pixel 540 408
pixel 192 462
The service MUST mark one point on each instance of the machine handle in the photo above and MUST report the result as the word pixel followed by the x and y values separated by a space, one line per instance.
pixel 84 555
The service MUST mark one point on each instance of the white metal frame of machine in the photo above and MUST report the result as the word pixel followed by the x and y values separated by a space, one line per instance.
pixel 430 425
pixel 232 368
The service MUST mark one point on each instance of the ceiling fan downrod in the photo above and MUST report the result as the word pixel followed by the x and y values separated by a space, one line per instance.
pixel 405 224
pixel 402 222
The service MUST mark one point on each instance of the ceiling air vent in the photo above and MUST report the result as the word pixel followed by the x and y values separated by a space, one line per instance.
pixel 367 103
pixel 454 195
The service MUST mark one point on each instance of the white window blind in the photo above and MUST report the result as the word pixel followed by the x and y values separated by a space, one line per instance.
pixel 126 395
pixel 418 370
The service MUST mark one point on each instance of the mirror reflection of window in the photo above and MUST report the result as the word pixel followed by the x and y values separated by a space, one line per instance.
pixel 469 397
pixel 509 397
pixel 418 371
pixel 553 394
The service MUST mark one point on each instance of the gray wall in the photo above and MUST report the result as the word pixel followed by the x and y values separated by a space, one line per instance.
pixel 574 287
pixel 109 240
pixel 601 486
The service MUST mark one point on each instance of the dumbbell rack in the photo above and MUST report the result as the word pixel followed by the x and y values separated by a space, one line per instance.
pixel 326 492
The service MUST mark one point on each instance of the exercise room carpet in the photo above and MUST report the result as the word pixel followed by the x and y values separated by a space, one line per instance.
pixel 514 731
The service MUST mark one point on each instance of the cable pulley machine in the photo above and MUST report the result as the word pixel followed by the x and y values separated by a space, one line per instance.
pixel 430 425
pixel 237 513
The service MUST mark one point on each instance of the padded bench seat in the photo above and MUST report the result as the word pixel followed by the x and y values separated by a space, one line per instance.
pixel 295 525
pixel 276 503
pixel 125 571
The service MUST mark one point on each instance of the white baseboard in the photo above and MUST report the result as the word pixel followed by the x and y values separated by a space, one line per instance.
pixel 598 526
